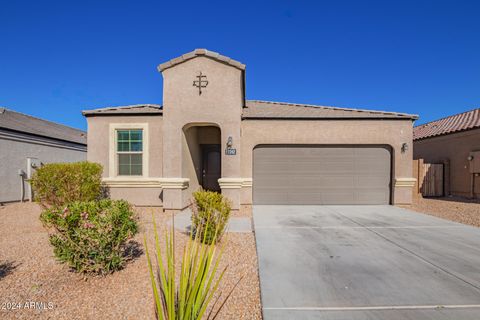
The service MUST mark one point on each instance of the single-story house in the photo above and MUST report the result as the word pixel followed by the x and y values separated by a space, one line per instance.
pixel 25 143
pixel 206 134
pixel 455 142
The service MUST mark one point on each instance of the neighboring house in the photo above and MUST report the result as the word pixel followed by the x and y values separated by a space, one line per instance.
pixel 25 143
pixel 455 142
pixel 207 135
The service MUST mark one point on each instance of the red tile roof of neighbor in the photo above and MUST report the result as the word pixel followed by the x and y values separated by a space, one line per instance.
pixel 458 122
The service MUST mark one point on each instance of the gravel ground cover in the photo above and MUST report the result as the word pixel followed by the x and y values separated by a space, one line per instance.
pixel 455 209
pixel 30 273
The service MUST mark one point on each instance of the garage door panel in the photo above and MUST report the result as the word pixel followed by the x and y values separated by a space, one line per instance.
pixel 337 167
pixel 319 182
pixel 371 168
pixel 309 197
pixel 369 196
pixel 271 196
pixel 371 182
pixel 321 175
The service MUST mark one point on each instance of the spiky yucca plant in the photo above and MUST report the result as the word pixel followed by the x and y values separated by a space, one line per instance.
pixel 199 279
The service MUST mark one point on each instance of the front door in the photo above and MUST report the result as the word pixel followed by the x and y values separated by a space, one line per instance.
pixel 211 167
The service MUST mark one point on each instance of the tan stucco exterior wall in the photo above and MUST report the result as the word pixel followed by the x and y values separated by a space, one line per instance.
pixel 334 132
pixel 191 158
pixel 138 190
pixel 455 147
pixel 220 105
pixel 172 171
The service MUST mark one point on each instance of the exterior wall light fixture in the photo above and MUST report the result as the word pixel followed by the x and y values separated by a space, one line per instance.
pixel 229 142
pixel 404 147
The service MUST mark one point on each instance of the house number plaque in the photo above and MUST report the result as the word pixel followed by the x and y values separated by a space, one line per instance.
pixel 230 151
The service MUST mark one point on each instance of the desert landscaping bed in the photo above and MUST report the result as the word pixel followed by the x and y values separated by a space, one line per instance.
pixel 30 273
pixel 455 209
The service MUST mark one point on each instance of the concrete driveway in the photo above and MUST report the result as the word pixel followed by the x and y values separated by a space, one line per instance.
pixel 365 262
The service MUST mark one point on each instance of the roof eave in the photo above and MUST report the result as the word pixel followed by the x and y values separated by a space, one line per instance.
pixel 120 110
pixel 324 118
pixel 153 114
pixel 380 114
pixel 77 142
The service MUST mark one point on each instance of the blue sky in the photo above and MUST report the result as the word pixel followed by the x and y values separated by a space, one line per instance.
pixel 423 57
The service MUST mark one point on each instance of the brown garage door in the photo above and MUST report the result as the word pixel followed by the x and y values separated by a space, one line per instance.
pixel 321 175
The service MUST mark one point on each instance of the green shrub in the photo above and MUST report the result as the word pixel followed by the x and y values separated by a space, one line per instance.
pixel 190 292
pixel 91 237
pixel 210 215
pixel 58 184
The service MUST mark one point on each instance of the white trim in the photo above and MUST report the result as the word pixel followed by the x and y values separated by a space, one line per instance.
pixel 138 182
pixel 247 182
pixel 112 154
pixel 175 183
pixel 234 183
pixel 405 182
pixel 126 182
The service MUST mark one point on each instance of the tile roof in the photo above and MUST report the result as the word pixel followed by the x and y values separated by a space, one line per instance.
pixel 20 122
pixel 132 109
pixel 256 109
pixel 458 122
pixel 201 52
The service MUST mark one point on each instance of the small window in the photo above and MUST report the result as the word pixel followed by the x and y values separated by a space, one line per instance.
pixel 130 152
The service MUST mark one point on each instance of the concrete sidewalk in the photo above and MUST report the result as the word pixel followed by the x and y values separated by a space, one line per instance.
pixel 183 221
pixel 365 262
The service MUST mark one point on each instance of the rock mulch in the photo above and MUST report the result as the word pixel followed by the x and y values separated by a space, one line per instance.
pixel 455 209
pixel 29 273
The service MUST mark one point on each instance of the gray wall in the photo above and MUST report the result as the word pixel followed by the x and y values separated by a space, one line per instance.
pixel 14 150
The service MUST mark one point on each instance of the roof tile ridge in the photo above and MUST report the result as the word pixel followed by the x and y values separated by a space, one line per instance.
pixel 450 116
pixel 44 120
pixel 333 108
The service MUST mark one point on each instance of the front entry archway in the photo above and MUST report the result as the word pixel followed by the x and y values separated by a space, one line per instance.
pixel 201 160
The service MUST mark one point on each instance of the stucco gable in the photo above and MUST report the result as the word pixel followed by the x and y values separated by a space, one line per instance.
pixel 201 53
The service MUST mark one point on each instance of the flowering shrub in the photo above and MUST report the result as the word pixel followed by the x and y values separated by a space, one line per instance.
pixel 91 237
pixel 211 212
